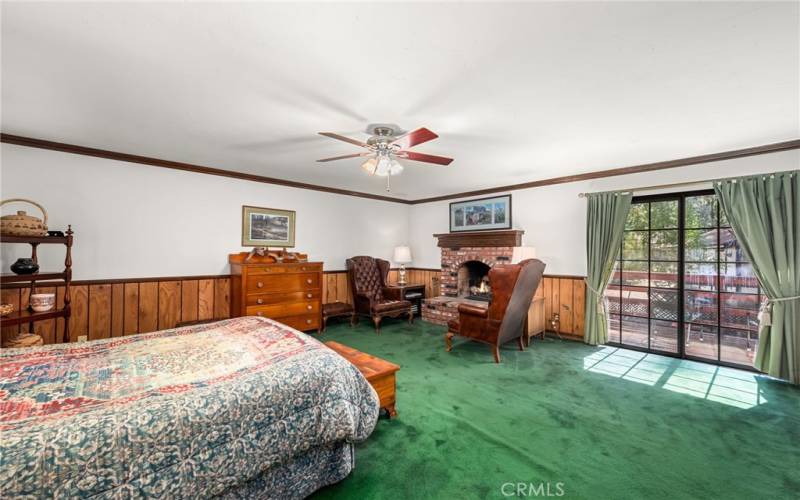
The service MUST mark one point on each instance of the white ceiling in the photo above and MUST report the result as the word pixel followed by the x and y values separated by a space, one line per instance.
pixel 517 92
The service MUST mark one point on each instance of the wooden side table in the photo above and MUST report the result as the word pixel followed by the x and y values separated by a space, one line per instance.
pixel 379 373
pixel 412 292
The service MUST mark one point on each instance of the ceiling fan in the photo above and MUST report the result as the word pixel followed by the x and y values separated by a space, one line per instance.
pixel 386 145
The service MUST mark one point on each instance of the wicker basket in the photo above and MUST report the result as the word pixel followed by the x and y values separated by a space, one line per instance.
pixel 24 340
pixel 6 309
pixel 23 224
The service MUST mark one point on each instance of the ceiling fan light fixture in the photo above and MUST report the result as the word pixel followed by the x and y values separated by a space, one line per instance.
pixel 370 166
pixel 388 166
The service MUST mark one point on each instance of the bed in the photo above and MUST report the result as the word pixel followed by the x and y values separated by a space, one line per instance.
pixel 242 408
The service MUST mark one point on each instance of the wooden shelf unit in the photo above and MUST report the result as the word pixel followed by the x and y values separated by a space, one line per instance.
pixel 27 315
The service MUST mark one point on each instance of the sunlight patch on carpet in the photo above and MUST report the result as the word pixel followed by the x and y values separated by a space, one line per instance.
pixel 728 386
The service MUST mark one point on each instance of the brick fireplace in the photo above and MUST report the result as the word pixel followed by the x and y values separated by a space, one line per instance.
pixel 466 259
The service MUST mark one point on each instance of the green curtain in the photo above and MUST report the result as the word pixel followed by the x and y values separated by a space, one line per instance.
pixel 605 222
pixel 764 212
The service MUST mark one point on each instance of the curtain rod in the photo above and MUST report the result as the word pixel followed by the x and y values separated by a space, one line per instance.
pixel 672 185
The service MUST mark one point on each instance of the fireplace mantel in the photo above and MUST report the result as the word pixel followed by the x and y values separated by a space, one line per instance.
pixel 477 239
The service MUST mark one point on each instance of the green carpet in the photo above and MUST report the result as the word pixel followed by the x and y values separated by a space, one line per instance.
pixel 606 423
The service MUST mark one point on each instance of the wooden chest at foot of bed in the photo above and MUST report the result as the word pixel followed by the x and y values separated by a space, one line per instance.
pixel 379 373
pixel 290 293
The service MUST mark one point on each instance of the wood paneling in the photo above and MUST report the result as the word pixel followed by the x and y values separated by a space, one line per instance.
pixel 222 298
pixel 130 308
pixel 115 308
pixel 335 288
pixel 205 299
pixel 79 315
pixel 189 300
pixel 565 305
pixel 99 312
pixel 169 304
pixel 565 296
pixel 148 307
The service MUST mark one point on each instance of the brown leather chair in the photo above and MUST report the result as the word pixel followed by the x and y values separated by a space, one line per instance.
pixel 371 296
pixel 513 286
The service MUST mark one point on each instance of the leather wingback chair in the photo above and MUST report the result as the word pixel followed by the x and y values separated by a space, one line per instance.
pixel 513 286
pixel 371 296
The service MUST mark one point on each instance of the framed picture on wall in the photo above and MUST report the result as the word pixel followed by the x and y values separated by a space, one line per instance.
pixel 481 215
pixel 267 227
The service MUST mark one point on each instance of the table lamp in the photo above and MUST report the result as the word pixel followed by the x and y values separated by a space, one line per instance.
pixel 402 256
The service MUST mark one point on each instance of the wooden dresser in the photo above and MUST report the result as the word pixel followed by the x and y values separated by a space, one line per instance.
pixel 287 292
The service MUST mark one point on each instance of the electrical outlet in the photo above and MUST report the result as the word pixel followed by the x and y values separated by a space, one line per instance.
pixel 82 338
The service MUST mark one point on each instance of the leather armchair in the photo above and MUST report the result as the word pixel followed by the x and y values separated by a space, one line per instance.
pixel 513 286
pixel 371 296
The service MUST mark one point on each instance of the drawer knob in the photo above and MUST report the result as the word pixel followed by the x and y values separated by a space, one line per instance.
pixel 309 307
pixel 260 284
pixel 308 295
pixel 259 313
pixel 308 281
pixel 303 268
pixel 308 321
pixel 260 301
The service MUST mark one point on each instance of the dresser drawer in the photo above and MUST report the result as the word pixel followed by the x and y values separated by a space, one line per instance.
pixel 285 268
pixel 282 283
pixel 303 268
pixel 301 322
pixel 265 299
pixel 283 310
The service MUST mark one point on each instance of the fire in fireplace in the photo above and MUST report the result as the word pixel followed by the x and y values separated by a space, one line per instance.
pixel 473 281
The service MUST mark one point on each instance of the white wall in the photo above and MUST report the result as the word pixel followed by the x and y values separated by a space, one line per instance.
pixel 133 220
pixel 554 218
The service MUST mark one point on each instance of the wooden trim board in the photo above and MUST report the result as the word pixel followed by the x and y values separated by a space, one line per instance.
pixel 157 162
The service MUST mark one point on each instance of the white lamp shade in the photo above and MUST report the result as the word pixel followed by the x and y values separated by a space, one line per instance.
pixel 402 255
pixel 522 253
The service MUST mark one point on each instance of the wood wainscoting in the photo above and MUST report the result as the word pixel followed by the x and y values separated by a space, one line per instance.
pixel 114 308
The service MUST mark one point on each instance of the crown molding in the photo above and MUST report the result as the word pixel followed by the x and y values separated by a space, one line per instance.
pixel 200 169
pixel 635 169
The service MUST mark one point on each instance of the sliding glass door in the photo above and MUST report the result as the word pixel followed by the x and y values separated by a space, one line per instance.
pixel 682 285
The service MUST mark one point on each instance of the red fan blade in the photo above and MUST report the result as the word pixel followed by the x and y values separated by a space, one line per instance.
pixel 345 139
pixel 411 139
pixel 355 155
pixel 410 155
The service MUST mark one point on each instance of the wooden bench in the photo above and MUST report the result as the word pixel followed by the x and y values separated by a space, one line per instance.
pixel 379 373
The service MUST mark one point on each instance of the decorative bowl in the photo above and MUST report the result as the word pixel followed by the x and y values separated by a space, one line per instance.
pixel 6 309
pixel 43 302
pixel 24 265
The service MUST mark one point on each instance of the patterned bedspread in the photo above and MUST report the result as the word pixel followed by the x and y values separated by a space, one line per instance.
pixel 190 412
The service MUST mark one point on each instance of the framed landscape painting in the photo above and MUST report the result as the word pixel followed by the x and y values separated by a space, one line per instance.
pixel 481 214
pixel 267 227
